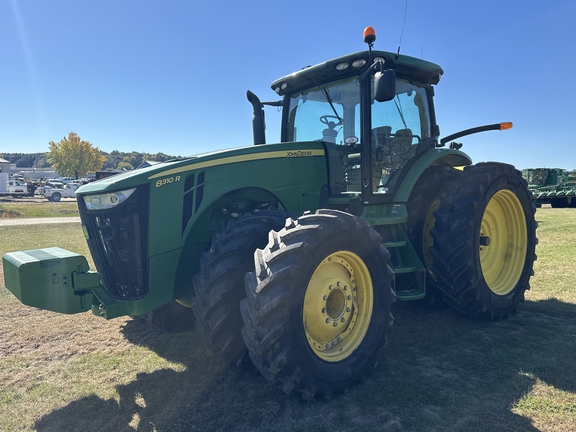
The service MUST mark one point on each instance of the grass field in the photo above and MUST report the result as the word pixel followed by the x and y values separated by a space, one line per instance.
pixel 439 372
pixel 37 207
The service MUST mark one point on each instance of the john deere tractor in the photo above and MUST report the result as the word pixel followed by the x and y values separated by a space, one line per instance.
pixel 290 255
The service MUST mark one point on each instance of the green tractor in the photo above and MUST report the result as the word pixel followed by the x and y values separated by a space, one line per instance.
pixel 290 255
pixel 554 186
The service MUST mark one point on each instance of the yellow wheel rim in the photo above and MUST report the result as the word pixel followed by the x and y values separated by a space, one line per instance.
pixel 503 242
pixel 338 306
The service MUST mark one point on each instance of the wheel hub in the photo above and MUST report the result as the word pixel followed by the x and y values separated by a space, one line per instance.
pixel 337 307
pixel 484 240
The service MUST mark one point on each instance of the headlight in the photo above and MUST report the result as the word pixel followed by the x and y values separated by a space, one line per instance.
pixel 107 200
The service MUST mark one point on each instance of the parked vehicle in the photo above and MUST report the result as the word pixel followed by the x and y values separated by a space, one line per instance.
pixel 291 254
pixel 14 187
pixel 55 194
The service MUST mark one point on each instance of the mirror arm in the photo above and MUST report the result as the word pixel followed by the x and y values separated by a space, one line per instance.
pixel 371 69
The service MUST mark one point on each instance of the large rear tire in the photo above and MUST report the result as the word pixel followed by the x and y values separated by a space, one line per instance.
pixel 318 303
pixel 219 286
pixel 484 241
pixel 423 202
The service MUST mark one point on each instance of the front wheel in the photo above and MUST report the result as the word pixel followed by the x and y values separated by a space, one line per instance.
pixel 318 303
pixel 484 241
pixel 219 286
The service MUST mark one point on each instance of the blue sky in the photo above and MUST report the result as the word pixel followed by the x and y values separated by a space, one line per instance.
pixel 171 76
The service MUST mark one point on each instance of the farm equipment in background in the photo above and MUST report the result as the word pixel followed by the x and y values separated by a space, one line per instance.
pixel 554 186
pixel 290 255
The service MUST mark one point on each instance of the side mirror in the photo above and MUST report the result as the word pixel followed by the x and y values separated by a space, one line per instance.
pixel 385 85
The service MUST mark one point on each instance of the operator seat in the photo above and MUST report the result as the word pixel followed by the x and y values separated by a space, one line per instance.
pixel 390 153
pixel 401 148
pixel 381 163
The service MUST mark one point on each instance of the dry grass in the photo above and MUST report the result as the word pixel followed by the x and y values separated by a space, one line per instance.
pixel 36 207
pixel 440 371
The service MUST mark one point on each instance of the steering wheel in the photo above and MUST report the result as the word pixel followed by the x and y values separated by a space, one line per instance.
pixel 326 120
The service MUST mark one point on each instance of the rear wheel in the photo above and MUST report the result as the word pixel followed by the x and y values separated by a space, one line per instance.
pixel 55 197
pixel 219 286
pixel 484 241
pixel 318 303
pixel 423 202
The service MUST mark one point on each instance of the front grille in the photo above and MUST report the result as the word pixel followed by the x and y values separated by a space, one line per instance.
pixel 118 242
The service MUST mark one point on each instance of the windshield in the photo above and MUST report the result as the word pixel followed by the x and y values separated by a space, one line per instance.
pixel 330 112
pixel 539 177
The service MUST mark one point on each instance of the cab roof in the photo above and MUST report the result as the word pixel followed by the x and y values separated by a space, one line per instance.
pixel 405 66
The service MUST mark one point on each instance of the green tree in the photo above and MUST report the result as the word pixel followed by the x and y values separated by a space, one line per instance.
pixel 41 161
pixel 72 157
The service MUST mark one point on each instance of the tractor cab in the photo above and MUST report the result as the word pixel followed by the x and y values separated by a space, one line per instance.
pixel 378 140
pixel 372 110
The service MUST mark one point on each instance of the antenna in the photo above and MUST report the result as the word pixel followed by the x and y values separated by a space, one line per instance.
pixel 402 32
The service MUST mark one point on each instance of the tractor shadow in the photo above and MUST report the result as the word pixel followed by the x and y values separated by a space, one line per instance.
pixel 439 372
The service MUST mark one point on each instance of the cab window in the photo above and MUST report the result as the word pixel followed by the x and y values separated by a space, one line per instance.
pixel 398 126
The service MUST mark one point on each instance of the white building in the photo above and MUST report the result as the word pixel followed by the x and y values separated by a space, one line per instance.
pixel 4 166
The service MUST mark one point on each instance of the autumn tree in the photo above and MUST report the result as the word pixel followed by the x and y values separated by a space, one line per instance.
pixel 124 166
pixel 72 157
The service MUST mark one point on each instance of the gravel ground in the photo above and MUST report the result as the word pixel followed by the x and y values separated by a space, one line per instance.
pixel 34 221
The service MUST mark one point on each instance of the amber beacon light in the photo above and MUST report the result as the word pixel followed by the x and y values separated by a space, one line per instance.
pixel 369 35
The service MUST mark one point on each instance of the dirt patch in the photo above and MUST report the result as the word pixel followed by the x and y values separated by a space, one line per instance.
pixel 8 214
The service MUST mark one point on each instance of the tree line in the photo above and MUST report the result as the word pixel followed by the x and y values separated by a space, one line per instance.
pixel 73 157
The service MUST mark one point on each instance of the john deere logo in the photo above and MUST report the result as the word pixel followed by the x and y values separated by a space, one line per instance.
pixel 292 154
